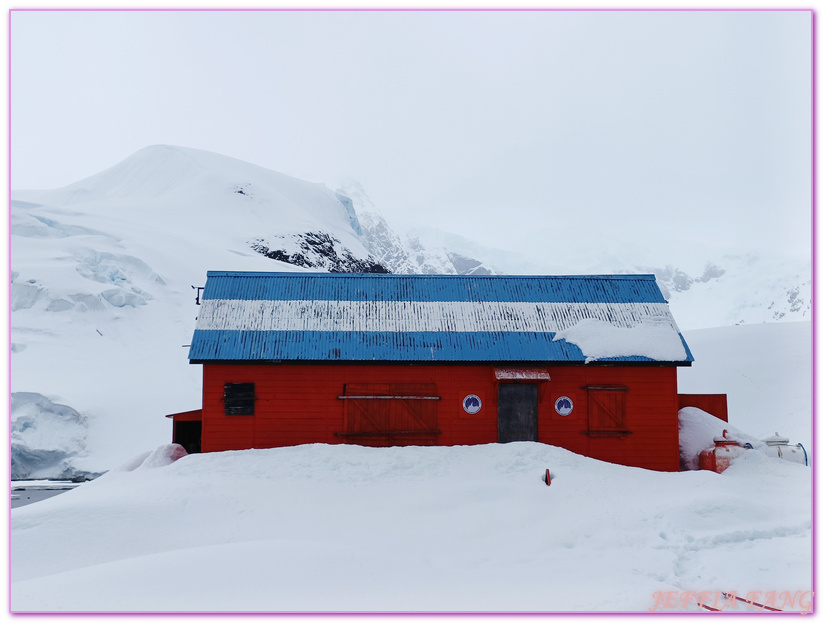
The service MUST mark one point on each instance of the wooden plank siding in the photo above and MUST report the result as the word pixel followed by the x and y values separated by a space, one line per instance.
pixel 299 403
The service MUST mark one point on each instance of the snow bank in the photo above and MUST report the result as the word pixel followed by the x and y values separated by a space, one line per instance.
pixel 698 431
pixel 468 528
pixel 135 462
pixel 598 339
pixel 164 455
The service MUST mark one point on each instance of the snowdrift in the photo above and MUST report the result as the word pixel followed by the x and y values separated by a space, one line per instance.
pixel 698 430
pixel 471 528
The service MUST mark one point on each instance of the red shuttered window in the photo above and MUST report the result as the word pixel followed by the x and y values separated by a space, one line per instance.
pixel 393 414
pixel 607 411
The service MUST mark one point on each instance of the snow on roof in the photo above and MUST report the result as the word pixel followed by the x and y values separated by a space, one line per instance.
pixel 359 317
pixel 600 340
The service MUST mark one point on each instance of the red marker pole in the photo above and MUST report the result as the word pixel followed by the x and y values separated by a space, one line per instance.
pixel 548 477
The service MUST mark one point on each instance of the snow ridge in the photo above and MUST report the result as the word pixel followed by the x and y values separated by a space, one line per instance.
pixel 405 254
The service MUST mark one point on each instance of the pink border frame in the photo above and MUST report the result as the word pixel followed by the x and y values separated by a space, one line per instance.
pixel 813 206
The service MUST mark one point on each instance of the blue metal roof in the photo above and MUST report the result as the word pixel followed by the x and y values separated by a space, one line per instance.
pixel 383 287
pixel 417 318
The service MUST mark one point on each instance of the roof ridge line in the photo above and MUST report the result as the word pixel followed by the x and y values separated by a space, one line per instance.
pixel 240 273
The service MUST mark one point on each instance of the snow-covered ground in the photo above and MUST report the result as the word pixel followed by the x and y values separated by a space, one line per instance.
pixel 467 528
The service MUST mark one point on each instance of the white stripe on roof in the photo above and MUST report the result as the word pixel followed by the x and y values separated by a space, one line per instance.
pixel 416 316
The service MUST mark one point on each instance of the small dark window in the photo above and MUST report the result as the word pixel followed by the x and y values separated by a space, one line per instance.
pixel 238 398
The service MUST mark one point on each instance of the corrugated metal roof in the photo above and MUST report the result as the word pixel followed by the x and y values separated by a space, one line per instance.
pixel 379 287
pixel 416 316
pixel 365 317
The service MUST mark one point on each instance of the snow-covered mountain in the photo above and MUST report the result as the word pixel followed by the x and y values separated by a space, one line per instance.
pixel 408 254
pixel 103 271
pixel 727 289
pixel 739 289
pixel 102 303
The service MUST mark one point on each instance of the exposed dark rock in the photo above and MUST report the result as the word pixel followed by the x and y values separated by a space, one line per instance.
pixel 243 189
pixel 712 271
pixel 319 250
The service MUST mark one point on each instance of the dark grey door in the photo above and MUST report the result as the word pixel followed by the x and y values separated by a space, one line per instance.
pixel 516 412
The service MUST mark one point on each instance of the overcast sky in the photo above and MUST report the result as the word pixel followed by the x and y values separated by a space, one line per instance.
pixel 666 126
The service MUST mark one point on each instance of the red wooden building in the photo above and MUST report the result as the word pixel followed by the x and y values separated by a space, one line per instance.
pixel 588 363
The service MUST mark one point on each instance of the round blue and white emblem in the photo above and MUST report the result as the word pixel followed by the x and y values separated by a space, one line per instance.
pixel 563 405
pixel 472 404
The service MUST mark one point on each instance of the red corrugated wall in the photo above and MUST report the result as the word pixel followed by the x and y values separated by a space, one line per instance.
pixel 716 404
pixel 299 404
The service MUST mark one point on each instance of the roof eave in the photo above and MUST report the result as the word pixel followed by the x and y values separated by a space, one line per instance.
pixel 596 363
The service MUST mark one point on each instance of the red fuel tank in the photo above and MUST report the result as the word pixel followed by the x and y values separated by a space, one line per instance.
pixel 719 458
